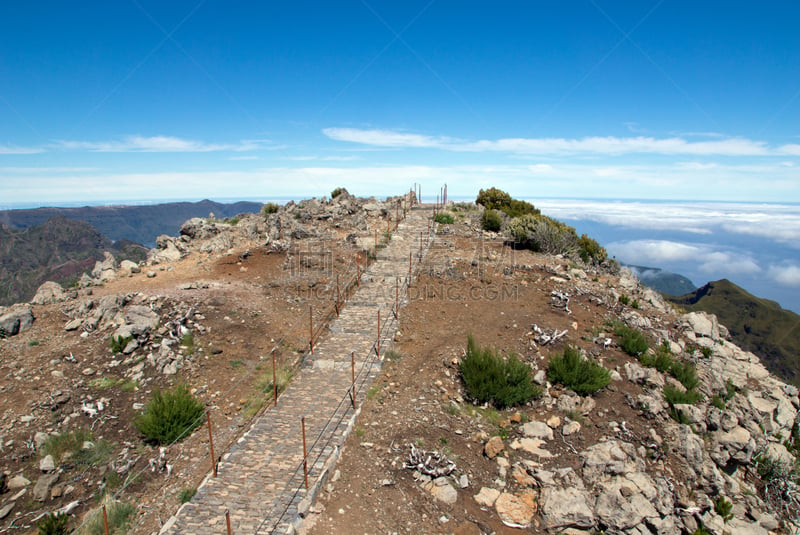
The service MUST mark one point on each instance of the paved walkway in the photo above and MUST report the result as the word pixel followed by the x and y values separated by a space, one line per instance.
pixel 260 480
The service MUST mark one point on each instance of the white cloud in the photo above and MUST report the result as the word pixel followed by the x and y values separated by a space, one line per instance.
pixel 705 257
pixel 157 144
pixel 609 145
pixel 777 222
pixel 653 252
pixel 14 149
pixel 729 263
pixel 786 275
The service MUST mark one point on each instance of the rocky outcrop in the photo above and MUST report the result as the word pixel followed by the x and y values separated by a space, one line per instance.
pixel 15 320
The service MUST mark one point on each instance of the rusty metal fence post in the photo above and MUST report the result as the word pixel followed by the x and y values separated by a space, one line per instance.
pixel 211 444
pixel 305 452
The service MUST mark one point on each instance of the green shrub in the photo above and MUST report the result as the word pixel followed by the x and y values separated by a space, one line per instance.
pixel 706 351
pixel 496 199
pixel 662 360
pixel 624 299
pixel 493 198
pixel 685 373
pixel 270 208
pixel 590 250
pixel 70 446
pixel 730 390
pixel 443 218
pixel 718 402
pixel 53 524
pixel 170 415
pixel 576 373
pixel 338 191
pixel 489 378
pixel 187 494
pixel 491 220
pixel 118 343
pixel 635 304
pixel 724 508
pixel 631 340
pixel 676 396
pixel 701 530
pixel 542 234
pixel 119 515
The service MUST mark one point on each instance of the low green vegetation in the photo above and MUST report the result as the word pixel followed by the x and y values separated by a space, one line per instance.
pixel 170 415
pixel 723 508
pixel 491 220
pixel 530 229
pixel 77 447
pixel 187 342
pixel 53 524
pixel 444 218
pixel 489 378
pixel 576 373
pixel 624 299
pixel 187 494
pixel 631 341
pixel 118 343
pixel 661 360
pixel 120 515
pixel 675 396
pixel 270 208
pixel 685 373
pixel 338 191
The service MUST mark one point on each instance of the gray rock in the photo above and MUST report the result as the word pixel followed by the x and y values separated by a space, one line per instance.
pixel 621 506
pixel 73 325
pixel 568 507
pixel 737 445
pixel 41 491
pixel 612 457
pixel 47 464
pixel 17 482
pixel 132 267
pixel 570 428
pixel 51 292
pixel 6 509
pixel 537 430
pixel 703 324
pixel 18 319
pixel 441 489
pixel 39 438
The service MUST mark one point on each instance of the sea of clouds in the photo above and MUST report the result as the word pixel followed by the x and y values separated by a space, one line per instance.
pixel 755 245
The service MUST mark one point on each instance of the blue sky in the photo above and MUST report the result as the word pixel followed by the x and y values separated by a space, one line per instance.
pixel 136 99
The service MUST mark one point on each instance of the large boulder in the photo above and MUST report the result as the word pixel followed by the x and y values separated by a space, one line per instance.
pixel 51 292
pixel 16 320
pixel 107 269
pixel 566 508
pixel 139 320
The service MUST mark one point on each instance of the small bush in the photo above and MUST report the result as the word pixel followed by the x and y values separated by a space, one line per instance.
pixel 631 341
pixel 53 524
pixel 118 343
pixel 491 220
pixel 491 379
pixel 624 299
pixel 718 402
pixel 576 373
pixel 338 191
pixel 443 218
pixel 187 494
pixel 730 390
pixel 33 343
pixel 676 396
pixel 724 508
pixel 635 304
pixel 542 234
pixel 283 376
pixel 706 351
pixel 119 515
pixel 493 198
pixel 170 415
pixel 590 250
pixel 662 360
pixel 686 374
pixel 270 208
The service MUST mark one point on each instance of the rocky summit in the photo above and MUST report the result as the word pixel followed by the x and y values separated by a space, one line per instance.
pixel 686 433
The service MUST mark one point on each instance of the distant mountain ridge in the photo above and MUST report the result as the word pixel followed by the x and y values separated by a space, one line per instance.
pixel 58 250
pixel 141 223
pixel 662 281
pixel 755 324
